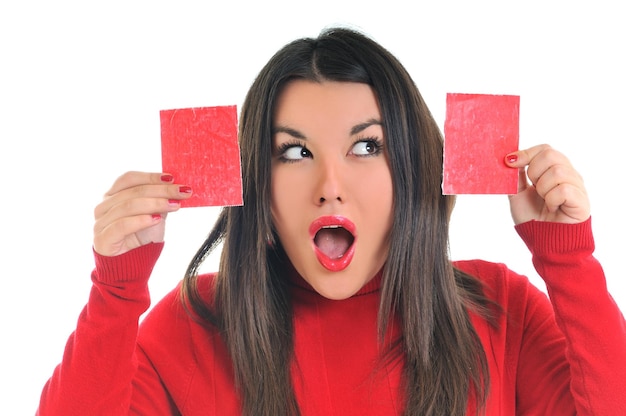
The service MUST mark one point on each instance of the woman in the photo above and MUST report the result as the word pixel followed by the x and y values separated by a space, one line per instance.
pixel 335 293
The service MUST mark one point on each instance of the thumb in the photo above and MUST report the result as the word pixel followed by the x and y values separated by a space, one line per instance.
pixel 517 160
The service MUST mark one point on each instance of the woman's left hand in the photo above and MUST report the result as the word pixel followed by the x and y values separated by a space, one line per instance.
pixel 549 188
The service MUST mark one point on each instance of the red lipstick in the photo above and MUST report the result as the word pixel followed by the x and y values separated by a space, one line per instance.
pixel 333 225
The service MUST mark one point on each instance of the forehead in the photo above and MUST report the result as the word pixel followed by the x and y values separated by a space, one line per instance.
pixel 308 102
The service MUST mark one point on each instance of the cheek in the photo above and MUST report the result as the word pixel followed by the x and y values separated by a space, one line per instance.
pixel 381 203
pixel 380 188
pixel 285 195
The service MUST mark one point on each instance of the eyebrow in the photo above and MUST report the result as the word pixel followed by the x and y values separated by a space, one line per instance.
pixel 292 132
pixel 362 126
pixel 353 131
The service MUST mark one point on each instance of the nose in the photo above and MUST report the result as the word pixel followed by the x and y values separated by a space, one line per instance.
pixel 329 183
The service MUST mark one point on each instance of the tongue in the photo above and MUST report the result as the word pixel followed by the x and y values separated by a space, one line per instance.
pixel 333 242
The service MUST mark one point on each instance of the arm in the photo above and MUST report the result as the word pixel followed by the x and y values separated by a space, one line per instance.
pixel 100 361
pixel 98 364
pixel 592 325
pixel 552 215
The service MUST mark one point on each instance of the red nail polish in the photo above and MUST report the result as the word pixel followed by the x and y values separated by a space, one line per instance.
pixel 167 178
pixel 184 189
pixel 156 217
pixel 512 158
pixel 173 202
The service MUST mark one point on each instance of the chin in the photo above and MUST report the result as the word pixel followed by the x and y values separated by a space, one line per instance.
pixel 336 293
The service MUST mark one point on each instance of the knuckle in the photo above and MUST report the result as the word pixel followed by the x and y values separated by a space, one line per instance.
pixel 126 207
pixel 97 227
pixel 97 212
pixel 548 151
pixel 138 191
pixel 560 172
pixel 126 180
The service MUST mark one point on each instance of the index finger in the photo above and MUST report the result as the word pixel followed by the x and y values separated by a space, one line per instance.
pixel 153 190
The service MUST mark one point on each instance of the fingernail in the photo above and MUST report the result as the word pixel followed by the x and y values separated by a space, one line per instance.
pixel 156 217
pixel 173 202
pixel 184 189
pixel 167 178
pixel 512 158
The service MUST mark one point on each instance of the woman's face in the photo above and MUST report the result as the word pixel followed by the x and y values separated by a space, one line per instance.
pixel 331 184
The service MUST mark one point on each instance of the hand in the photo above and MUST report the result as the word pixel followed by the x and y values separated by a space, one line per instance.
pixel 549 188
pixel 133 211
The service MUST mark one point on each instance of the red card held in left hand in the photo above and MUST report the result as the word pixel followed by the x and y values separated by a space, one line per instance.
pixel 480 130
pixel 199 148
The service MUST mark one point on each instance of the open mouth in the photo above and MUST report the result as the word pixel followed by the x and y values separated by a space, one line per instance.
pixel 333 240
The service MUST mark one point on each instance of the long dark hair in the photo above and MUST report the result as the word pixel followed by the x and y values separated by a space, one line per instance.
pixel 444 360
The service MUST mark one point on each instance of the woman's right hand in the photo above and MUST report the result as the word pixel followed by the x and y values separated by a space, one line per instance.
pixel 133 211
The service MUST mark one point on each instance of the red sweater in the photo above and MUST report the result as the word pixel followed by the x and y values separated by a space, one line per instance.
pixel 559 356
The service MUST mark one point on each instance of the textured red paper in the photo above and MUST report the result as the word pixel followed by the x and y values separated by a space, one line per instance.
pixel 199 147
pixel 480 130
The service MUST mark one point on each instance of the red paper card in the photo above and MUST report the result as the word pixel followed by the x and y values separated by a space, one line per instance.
pixel 199 147
pixel 480 130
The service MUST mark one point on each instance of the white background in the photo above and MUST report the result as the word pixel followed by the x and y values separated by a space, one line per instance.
pixel 81 85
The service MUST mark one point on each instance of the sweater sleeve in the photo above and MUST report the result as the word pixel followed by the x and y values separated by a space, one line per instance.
pixel 592 325
pixel 100 360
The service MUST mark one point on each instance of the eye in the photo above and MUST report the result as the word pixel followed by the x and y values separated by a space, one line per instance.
pixel 367 147
pixel 293 152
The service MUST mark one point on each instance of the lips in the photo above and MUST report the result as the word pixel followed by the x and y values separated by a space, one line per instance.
pixel 333 238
